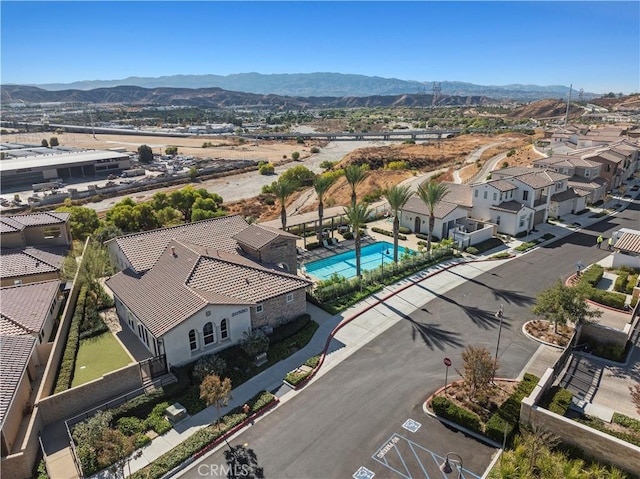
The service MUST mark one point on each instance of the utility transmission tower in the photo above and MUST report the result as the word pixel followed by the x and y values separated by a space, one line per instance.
pixel 566 117
pixel 581 94
pixel 436 89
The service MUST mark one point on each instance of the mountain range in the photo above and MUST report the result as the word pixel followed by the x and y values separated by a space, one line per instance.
pixel 324 85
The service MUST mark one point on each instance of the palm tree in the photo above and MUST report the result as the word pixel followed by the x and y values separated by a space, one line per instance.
pixel 397 196
pixel 431 194
pixel 282 189
pixel 321 184
pixel 355 174
pixel 357 216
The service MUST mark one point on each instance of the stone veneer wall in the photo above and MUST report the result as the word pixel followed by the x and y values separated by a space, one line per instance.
pixel 281 250
pixel 277 310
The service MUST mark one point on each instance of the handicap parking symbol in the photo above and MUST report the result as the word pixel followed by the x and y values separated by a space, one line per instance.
pixel 411 425
pixel 364 473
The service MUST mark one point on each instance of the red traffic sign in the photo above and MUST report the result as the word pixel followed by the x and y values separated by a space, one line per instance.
pixel 447 362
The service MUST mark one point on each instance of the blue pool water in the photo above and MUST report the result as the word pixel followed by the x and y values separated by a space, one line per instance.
pixel 344 264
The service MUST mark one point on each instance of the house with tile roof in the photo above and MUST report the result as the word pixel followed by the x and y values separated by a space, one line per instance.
pixel 31 264
pixel 195 289
pixel 30 309
pixel 37 229
pixel 17 378
pixel 584 176
pixel 451 217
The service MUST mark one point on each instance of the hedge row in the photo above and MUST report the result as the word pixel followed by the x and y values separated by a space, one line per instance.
pixel 67 366
pixel 592 275
pixel 621 282
pixel 632 281
pixel 557 400
pixel 387 233
pixel 289 329
pixel 434 239
pixel 507 416
pixel 608 298
pixel 296 377
pixel 446 409
pixel 201 439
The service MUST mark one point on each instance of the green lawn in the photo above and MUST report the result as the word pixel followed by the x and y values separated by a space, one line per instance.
pixel 97 356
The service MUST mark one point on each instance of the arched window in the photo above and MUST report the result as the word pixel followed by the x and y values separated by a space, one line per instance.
pixel 193 343
pixel 224 329
pixel 207 333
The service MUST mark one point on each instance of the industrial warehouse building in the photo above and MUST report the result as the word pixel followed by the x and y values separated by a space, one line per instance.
pixel 24 165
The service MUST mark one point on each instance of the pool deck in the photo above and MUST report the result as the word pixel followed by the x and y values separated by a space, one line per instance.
pixel 370 237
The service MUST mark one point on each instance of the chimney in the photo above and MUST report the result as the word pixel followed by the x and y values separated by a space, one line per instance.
pixel 173 250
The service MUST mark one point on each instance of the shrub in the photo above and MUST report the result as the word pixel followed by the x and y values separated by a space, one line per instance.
pixel 287 330
pixel 508 414
pixel 632 281
pixel 472 250
pixel 404 230
pixel 608 298
pixel 525 246
pixel 621 282
pixel 388 233
pixel 68 364
pixel 266 169
pixel 592 275
pixel 445 408
pixel 315 149
pixel 140 406
pixel 626 421
pixel 559 400
pixel 397 165
pixel 209 364
pixel 313 245
pixel 347 235
pixel 130 425
pixel 269 201
pixel 610 351
pixel 502 255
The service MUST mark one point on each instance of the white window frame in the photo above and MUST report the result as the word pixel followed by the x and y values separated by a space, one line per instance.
pixel 211 336
pixel 289 297
pixel 259 308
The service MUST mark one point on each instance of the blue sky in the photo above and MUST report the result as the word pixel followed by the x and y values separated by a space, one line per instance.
pixel 592 45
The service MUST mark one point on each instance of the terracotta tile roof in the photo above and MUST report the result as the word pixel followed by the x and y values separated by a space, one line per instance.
pixel 502 185
pixel 459 194
pixel 30 260
pixel 593 183
pixel 628 242
pixel 9 225
pixel 177 286
pixel 509 206
pixel 569 194
pixel 142 250
pixel 416 205
pixel 41 219
pixel 605 155
pixel 257 236
pixel 15 352
pixel 249 284
pixel 566 161
pixel 25 308
pixel 541 179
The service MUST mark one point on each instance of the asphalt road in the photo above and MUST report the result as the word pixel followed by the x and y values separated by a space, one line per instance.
pixel 343 421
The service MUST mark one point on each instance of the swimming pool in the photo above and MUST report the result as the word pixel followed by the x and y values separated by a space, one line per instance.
pixel 344 264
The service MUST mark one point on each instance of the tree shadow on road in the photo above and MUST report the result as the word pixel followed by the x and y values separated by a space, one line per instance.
pixel 510 297
pixel 480 317
pixel 432 335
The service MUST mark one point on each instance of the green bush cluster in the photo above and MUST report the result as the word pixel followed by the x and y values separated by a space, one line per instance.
pixel 347 235
pixel 140 406
pixel 296 377
pixel 266 169
pixel 610 351
pixel 621 282
pixel 502 255
pixel 68 364
pixel 626 421
pixel 201 439
pixel 559 400
pixel 472 250
pixel 387 233
pixel 608 298
pixel 313 245
pixel 632 281
pixel 315 149
pixel 287 330
pixel 404 230
pixel 422 236
pixel 446 409
pixel 592 275
pixel 486 245
pixel 508 414
pixel 526 246
pixel 596 423
pixel 397 165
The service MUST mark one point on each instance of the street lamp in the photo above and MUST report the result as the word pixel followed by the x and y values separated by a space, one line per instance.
pixel 446 468
pixel 382 253
pixel 499 315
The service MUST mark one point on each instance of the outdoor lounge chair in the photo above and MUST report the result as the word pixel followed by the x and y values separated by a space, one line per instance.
pixel 325 243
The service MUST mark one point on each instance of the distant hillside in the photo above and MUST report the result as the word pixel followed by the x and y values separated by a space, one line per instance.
pixel 545 109
pixel 324 85
pixel 218 98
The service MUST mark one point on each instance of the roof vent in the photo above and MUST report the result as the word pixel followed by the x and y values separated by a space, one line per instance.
pixel 173 250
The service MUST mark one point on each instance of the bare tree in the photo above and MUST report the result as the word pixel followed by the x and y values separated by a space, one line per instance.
pixel 215 392
pixel 479 370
